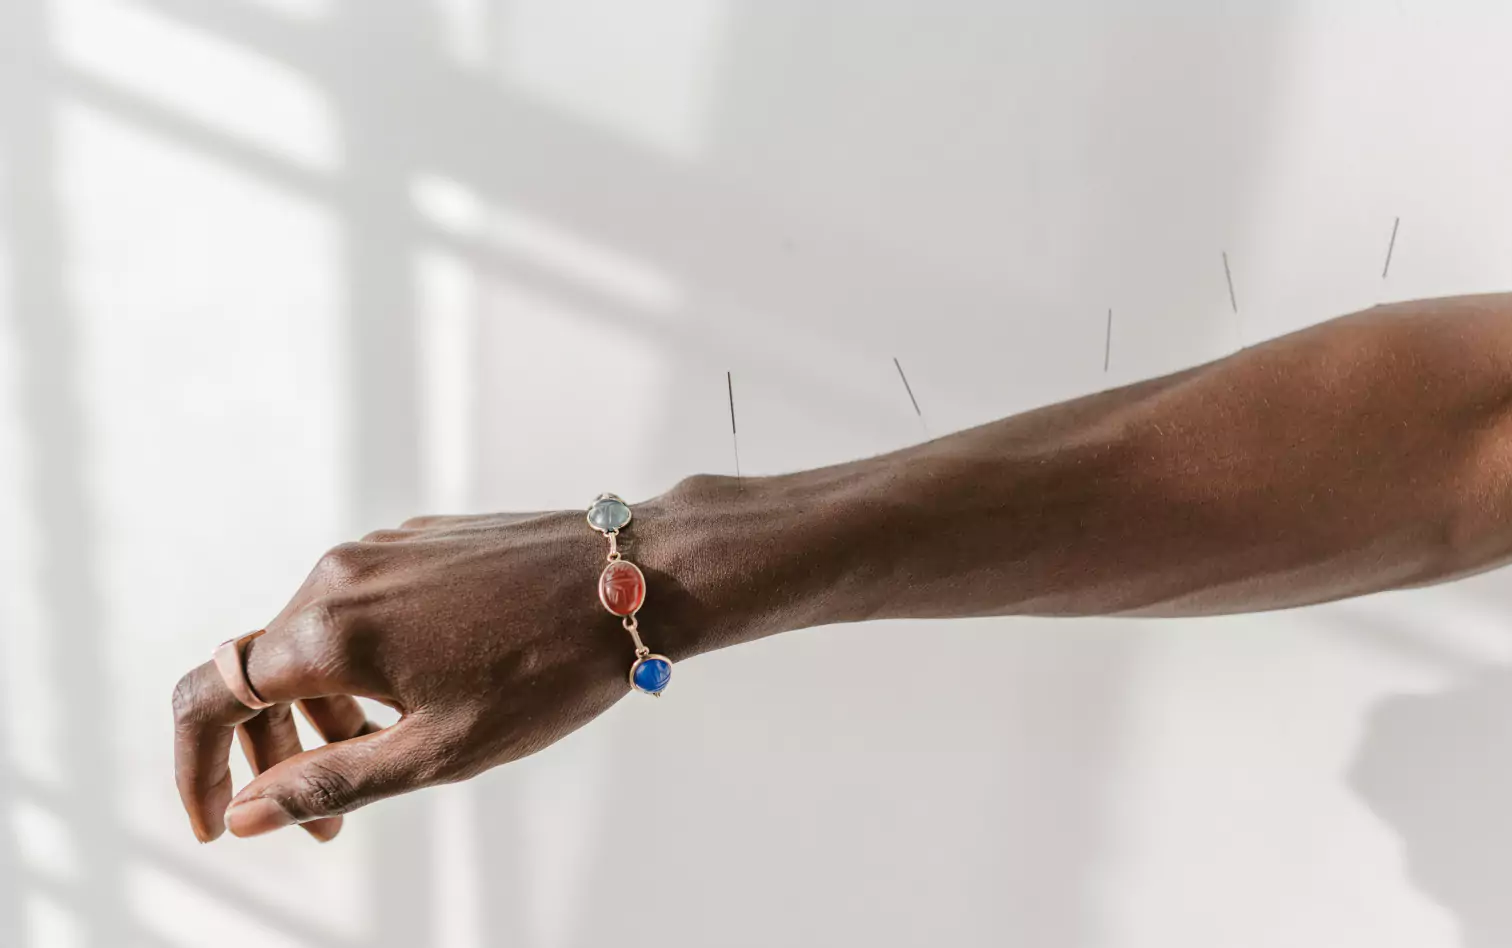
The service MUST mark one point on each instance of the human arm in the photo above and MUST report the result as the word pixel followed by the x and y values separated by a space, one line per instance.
pixel 1360 455
pixel 1363 454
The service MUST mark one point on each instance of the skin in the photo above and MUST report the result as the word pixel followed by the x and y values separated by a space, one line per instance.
pixel 1367 453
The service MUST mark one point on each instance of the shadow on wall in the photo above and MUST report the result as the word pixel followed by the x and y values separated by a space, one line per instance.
pixel 68 584
pixel 404 109
pixel 1437 769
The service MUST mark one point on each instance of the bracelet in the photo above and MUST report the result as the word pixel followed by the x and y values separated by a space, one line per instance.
pixel 622 590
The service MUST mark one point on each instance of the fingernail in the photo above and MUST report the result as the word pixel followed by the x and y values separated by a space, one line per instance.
pixel 256 817
pixel 207 834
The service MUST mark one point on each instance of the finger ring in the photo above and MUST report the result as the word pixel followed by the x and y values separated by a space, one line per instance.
pixel 232 665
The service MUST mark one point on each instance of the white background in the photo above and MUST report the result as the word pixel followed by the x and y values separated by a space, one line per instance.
pixel 274 273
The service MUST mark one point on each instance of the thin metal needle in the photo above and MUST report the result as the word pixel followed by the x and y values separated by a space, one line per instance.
pixel 1233 300
pixel 909 389
pixel 1108 342
pixel 1390 247
pixel 734 438
pixel 1228 275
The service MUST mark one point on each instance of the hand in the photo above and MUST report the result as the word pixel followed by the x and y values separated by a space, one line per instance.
pixel 485 633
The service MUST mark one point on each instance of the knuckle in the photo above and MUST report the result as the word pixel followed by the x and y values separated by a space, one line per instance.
pixel 386 536
pixel 323 791
pixel 341 565
pixel 184 708
pixel 417 523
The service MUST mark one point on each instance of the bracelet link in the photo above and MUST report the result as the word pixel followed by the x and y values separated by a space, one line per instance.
pixel 622 590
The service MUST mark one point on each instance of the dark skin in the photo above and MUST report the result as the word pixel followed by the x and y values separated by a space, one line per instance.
pixel 1364 454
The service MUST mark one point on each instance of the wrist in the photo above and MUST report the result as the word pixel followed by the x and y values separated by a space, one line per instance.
pixel 730 561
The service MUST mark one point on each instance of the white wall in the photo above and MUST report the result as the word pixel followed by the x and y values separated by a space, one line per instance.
pixel 277 272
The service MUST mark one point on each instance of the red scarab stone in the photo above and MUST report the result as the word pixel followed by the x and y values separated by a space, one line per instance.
pixel 622 588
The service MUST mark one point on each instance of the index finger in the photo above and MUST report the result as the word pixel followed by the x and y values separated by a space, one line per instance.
pixel 205 716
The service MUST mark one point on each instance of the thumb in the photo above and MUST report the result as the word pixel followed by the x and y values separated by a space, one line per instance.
pixel 336 779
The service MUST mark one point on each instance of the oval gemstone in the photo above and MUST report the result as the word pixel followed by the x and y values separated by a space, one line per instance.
pixel 622 588
pixel 608 515
pixel 652 674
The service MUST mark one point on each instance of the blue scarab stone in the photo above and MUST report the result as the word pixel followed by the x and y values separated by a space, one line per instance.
pixel 651 674
pixel 608 514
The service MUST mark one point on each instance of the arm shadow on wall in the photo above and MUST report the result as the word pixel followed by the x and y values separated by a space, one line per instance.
pixel 1437 769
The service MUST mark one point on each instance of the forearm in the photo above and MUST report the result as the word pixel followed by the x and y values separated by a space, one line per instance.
pixel 1364 454
pixel 1359 455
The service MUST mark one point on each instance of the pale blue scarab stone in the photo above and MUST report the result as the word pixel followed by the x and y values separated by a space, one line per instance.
pixel 608 514
pixel 653 674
